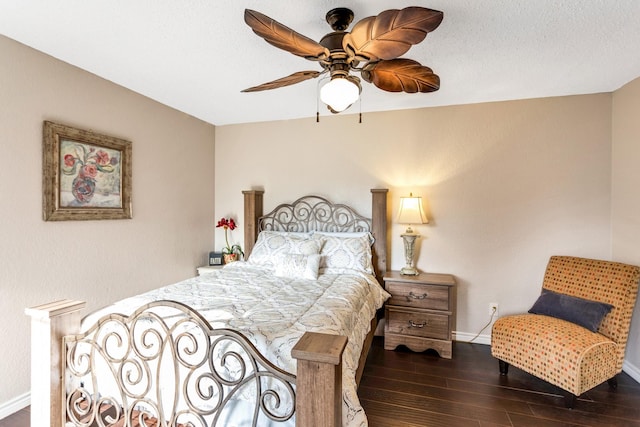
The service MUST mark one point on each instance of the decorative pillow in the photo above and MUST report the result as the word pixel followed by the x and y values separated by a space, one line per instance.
pixel 580 311
pixel 296 266
pixel 346 253
pixel 270 244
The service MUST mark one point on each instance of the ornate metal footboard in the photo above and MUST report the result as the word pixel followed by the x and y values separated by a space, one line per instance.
pixel 164 365
pixel 145 344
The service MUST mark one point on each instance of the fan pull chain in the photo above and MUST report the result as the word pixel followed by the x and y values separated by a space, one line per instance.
pixel 318 99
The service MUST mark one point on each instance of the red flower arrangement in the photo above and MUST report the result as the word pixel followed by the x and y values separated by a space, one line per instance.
pixel 229 224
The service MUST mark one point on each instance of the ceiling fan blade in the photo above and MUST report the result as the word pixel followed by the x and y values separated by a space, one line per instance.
pixel 284 37
pixel 402 75
pixel 391 33
pixel 294 78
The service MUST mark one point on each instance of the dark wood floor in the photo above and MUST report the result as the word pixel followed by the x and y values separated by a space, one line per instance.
pixel 404 389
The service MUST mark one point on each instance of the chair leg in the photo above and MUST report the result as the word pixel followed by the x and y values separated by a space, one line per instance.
pixel 569 399
pixel 613 383
pixel 504 367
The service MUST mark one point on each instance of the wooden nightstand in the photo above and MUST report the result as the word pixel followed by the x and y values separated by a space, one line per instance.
pixel 421 312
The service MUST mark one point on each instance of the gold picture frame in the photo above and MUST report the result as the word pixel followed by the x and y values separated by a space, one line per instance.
pixel 85 175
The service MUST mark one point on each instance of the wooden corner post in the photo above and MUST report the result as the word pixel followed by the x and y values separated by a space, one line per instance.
pixel 379 230
pixel 319 379
pixel 252 213
pixel 49 323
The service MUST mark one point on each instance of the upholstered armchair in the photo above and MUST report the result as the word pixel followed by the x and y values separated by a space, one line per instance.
pixel 575 334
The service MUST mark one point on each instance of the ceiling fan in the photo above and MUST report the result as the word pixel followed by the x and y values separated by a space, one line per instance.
pixel 372 48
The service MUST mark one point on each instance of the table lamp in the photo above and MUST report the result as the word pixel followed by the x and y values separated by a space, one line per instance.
pixel 411 212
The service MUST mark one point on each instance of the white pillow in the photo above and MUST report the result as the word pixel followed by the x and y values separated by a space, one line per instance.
pixel 340 252
pixel 270 244
pixel 296 266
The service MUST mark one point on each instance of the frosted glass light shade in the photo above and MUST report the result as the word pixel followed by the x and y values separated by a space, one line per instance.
pixel 339 93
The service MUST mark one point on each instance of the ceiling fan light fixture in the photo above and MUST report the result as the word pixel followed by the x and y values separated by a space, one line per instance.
pixel 373 47
pixel 340 92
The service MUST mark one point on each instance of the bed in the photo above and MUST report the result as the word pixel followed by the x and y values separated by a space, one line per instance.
pixel 280 339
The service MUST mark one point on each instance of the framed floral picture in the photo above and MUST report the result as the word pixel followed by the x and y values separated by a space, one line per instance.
pixel 86 175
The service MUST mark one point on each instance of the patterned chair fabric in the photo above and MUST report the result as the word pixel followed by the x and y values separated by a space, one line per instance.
pixel 565 354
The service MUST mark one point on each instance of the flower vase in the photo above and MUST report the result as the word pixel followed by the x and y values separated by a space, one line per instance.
pixel 83 188
pixel 228 258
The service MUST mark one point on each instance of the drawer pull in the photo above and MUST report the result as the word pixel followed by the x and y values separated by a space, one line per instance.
pixel 413 324
pixel 414 296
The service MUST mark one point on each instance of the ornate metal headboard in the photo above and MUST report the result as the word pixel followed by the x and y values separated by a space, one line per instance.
pixel 313 213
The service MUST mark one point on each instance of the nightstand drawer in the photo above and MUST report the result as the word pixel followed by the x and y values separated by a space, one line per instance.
pixel 433 297
pixel 417 323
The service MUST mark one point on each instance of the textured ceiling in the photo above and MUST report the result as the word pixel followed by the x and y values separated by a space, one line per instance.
pixel 197 55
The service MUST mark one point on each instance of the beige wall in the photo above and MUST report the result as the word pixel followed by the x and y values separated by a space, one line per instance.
pixel 97 261
pixel 625 224
pixel 506 185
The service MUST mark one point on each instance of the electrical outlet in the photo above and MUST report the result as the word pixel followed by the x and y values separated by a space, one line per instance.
pixel 493 309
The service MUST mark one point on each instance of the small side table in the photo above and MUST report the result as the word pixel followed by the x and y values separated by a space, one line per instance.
pixel 421 312
pixel 206 269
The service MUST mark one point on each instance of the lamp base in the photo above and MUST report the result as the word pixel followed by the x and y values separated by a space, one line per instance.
pixel 409 241
pixel 409 271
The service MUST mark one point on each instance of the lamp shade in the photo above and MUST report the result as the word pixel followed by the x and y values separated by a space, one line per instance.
pixel 411 211
pixel 339 93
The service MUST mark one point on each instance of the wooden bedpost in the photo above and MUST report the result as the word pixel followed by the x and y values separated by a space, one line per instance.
pixel 49 323
pixel 252 212
pixel 319 379
pixel 379 230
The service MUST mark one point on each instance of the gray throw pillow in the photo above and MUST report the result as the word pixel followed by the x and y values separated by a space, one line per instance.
pixel 583 312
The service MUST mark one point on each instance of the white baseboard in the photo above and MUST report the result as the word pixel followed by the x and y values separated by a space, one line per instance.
pixel 14 405
pixel 467 337
pixel 633 371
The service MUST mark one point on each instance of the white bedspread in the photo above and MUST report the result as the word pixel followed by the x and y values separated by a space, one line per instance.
pixel 273 313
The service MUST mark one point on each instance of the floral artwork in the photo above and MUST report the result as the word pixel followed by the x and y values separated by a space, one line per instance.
pixel 85 175
pixel 90 175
